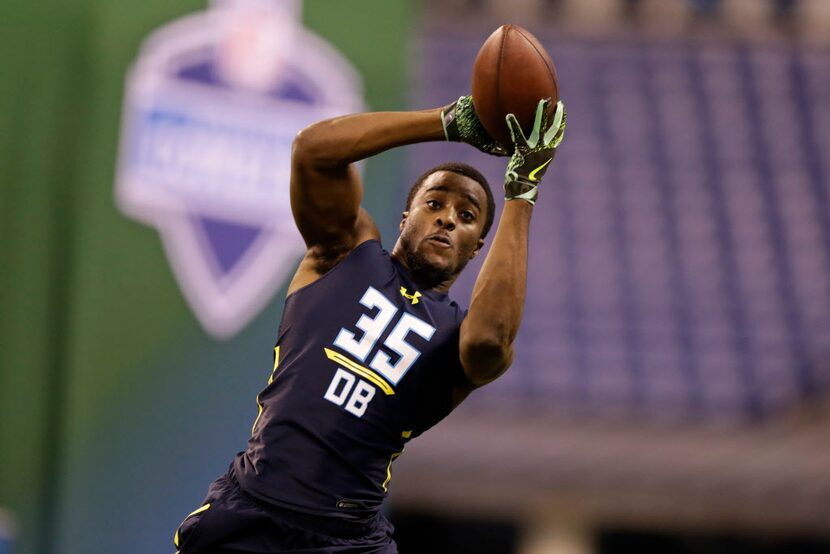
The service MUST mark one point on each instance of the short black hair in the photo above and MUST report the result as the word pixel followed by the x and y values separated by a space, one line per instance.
pixel 467 171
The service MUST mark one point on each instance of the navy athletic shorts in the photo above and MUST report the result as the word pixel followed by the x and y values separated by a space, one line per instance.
pixel 231 521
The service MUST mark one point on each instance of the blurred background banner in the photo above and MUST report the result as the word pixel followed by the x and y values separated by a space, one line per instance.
pixel 670 386
pixel 212 104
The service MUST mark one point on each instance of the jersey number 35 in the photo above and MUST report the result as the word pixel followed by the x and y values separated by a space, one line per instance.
pixel 381 362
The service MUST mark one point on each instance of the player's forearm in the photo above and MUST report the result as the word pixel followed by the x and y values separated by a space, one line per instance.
pixel 492 322
pixel 342 140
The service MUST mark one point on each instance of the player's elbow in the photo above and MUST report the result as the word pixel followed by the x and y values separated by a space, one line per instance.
pixel 484 360
pixel 305 146
pixel 309 148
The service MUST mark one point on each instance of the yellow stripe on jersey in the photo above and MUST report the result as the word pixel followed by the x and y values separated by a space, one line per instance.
pixel 270 380
pixel 199 510
pixel 389 469
pixel 360 370
pixel 276 363
pixel 404 435
pixel 191 514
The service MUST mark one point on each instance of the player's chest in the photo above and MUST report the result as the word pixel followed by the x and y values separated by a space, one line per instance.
pixel 379 343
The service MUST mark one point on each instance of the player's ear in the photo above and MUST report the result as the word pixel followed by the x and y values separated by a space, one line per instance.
pixel 478 248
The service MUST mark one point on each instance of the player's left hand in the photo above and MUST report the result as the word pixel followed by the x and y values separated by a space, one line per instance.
pixel 461 124
pixel 533 155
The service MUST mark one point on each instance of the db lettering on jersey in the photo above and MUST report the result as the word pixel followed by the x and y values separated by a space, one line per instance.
pixel 349 390
pixel 343 392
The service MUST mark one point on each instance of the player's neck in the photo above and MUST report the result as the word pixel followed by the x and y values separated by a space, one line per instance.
pixel 423 278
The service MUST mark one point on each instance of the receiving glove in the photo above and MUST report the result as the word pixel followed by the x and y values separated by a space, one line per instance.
pixel 461 124
pixel 532 155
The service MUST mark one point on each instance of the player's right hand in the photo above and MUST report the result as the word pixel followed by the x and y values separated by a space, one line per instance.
pixel 461 124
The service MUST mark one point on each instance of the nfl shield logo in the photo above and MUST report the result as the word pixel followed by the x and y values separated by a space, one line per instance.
pixel 212 105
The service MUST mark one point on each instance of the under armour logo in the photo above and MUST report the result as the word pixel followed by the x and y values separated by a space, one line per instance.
pixel 413 297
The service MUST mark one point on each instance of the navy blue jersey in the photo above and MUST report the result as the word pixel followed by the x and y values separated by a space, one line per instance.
pixel 364 362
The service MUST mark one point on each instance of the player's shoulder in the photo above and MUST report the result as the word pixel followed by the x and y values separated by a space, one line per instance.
pixel 321 258
pixel 356 262
pixel 369 255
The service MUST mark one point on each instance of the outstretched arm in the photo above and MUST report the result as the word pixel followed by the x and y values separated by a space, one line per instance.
pixel 488 331
pixel 491 325
pixel 326 189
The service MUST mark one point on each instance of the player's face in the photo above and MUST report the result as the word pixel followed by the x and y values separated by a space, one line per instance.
pixel 441 232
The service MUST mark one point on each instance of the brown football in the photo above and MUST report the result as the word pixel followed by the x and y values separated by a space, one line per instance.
pixel 512 72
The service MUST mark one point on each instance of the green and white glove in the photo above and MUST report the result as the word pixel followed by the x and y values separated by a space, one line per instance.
pixel 461 124
pixel 532 155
